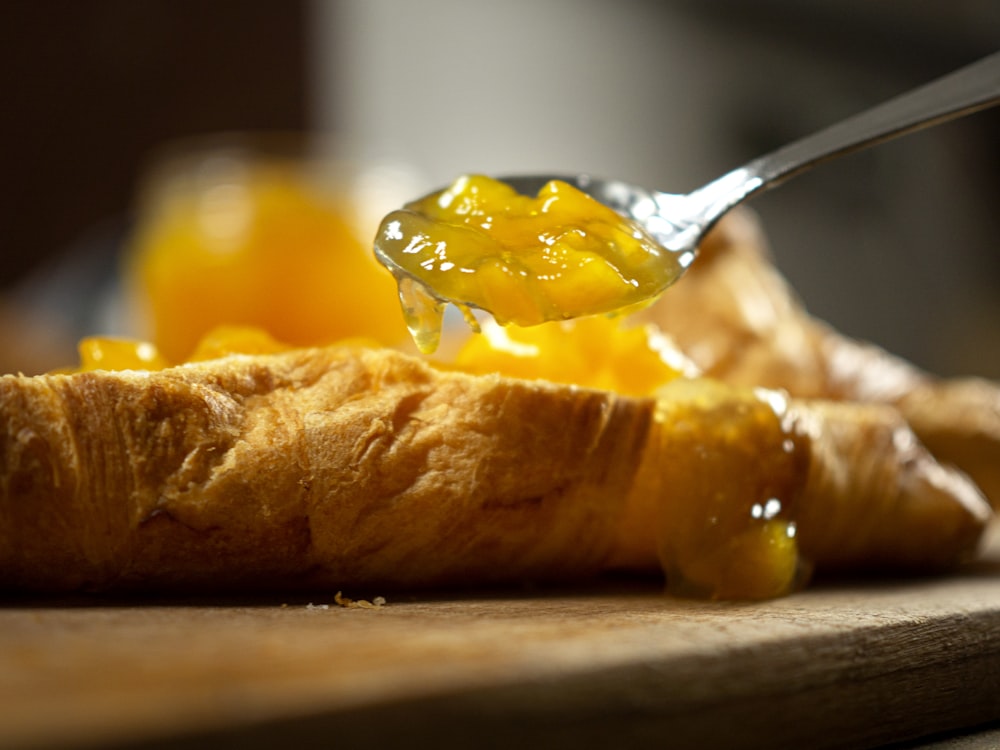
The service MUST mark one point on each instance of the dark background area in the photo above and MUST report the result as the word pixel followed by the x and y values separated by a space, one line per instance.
pixel 90 88
pixel 896 245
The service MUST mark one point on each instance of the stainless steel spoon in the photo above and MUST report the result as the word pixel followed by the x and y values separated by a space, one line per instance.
pixel 678 222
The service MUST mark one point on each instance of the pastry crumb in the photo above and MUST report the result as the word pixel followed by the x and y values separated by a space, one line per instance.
pixel 343 601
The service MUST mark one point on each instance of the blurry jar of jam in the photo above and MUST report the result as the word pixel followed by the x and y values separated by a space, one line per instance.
pixel 266 232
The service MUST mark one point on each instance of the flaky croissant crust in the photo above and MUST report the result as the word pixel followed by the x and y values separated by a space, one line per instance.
pixel 323 465
pixel 346 466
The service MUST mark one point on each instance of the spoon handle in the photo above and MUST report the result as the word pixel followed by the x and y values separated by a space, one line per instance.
pixel 974 87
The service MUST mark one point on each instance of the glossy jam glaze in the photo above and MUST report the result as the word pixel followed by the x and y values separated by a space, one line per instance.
pixel 725 472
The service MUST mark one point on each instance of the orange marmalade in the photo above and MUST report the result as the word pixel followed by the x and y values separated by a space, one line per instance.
pixel 526 259
pixel 593 352
pixel 724 471
pixel 107 353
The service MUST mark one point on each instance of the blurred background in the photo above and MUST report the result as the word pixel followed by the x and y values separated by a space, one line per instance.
pixel 897 245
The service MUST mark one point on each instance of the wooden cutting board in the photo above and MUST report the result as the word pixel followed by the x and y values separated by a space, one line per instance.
pixel 843 664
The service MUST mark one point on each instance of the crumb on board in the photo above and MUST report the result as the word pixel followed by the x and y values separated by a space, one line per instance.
pixel 343 601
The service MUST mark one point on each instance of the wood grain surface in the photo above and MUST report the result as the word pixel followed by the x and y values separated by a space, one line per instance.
pixel 842 664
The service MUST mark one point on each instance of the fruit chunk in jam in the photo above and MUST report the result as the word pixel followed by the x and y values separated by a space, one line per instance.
pixel 525 259
pixel 106 353
pixel 594 352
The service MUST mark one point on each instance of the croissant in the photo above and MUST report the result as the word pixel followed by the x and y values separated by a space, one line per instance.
pixel 351 467
pixel 739 320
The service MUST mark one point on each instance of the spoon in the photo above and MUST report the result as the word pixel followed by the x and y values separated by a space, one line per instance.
pixel 679 222
pixel 674 223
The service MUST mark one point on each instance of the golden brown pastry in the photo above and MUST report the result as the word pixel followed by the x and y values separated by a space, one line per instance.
pixel 738 319
pixel 349 467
